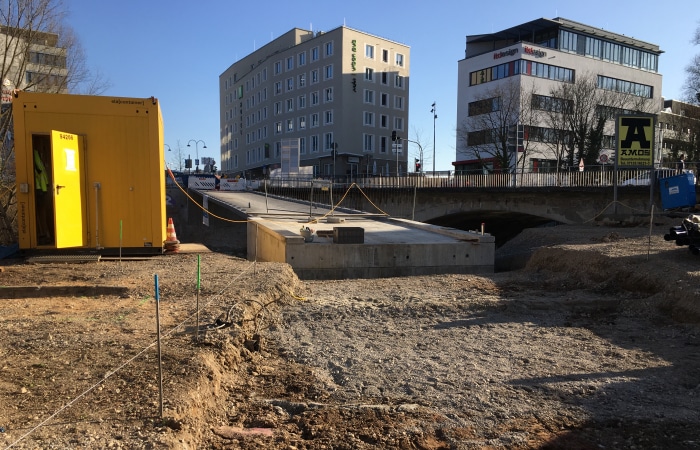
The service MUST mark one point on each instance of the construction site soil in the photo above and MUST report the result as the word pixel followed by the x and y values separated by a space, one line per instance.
pixel 592 342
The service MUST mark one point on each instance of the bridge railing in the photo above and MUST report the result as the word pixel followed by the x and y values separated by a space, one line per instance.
pixel 588 178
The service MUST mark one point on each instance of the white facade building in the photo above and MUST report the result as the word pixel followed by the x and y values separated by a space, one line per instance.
pixel 536 58
pixel 342 89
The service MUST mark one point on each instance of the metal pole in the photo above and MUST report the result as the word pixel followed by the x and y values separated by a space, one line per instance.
pixel 198 287
pixel 160 361
pixel 334 148
pixel 434 111
pixel 397 143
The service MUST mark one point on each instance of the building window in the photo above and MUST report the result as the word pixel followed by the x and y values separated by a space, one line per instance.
pixel 485 106
pixel 383 144
pixel 314 120
pixel 368 142
pixel 290 125
pixel 385 78
pixel 328 117
pixel 302 145
pixel 290 63
pixel 384 99
pixel 302 122
pixel 314 98
pixel 301 59
pixel 328 71
pixel 369 96
pixel 278 127
pixel 290 84
pixel 314 144
pixel 278 149
pixel 290 104
pixel 278 67
pixel 399 59
pixel 383 121
pixel 369 74
pixel 554 104
pixel 398 81
pixel 328 95
pixel 314 54
pixel 627 87
pixel 301 102
pixel 278 108
pixel 369 51
pixel 278 87
pixel 385 56
pixel 524 67
pixel 302 80
pixel 329 48
pixel 327 142
pixel 398 102
pixel 398 123
pixel 314 76
pixel 368 119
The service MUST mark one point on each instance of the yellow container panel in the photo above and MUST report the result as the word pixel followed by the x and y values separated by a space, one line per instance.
pixel 122 167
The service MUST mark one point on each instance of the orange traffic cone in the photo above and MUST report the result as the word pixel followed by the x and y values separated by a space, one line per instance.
pixel 170 235
pixel 172 245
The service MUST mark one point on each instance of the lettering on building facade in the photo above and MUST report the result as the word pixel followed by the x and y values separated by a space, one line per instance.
pixel 537 53
pixel 504 53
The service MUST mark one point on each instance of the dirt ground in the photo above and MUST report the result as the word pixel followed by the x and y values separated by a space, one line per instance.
pixel 594 343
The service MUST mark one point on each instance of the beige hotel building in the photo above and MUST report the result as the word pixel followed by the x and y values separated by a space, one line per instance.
pixel 342 89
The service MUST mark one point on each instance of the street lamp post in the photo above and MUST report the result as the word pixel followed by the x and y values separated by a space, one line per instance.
pixel 420 148
pixel 334 149
pixel 434 111
pixel 196 151
pixel 398 144
pixel 170 150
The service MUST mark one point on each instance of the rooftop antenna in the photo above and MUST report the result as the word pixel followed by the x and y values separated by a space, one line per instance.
pixel 311 26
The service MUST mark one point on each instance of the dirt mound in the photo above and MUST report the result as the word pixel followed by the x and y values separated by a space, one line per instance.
pixel 557 354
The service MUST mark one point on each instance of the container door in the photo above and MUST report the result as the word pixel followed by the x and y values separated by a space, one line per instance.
pixel 67 185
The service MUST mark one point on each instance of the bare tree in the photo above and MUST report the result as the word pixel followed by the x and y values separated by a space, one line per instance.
pixel 691 88
pixel 584 116
pixel 39 53
pixel 422 152
pixel 176 156
pixel 485 130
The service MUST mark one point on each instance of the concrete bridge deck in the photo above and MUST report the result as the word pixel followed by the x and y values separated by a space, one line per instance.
pixel 389 247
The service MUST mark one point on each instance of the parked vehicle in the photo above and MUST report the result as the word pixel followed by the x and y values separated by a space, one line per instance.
pixel 643 178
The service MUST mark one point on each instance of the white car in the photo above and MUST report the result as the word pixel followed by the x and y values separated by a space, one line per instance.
pixel 643 178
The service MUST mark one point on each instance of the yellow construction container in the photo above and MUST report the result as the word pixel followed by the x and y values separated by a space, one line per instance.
pixel 90 173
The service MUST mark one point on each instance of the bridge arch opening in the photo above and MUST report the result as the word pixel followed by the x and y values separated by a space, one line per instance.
pixel 502 225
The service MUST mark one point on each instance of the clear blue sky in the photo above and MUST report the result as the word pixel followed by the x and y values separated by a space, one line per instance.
pixel 176 50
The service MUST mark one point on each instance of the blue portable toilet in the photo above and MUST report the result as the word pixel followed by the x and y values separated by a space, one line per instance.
pixel 677 191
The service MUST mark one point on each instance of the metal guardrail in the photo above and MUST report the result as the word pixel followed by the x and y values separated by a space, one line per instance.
pixel 588 178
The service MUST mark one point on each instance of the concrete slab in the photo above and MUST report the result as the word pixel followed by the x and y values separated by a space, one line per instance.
pixel 391 247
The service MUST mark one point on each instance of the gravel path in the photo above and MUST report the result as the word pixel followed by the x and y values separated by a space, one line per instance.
pixel 507 357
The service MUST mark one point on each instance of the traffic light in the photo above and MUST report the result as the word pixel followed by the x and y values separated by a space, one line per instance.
pixel 393 135
pixel 417 165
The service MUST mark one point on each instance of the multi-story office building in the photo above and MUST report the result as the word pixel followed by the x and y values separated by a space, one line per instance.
pixel 679 132
pixel 536 59
pixel 342 89
pixel 34 61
